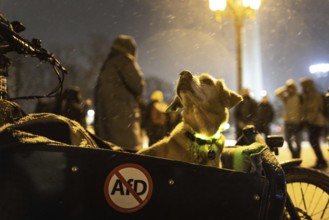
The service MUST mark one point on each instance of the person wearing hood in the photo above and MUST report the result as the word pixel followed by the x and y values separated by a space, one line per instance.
pixel 292 105
pixel 313 118
pixel 118 90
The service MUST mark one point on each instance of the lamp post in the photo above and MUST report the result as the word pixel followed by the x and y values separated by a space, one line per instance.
pixel 238 9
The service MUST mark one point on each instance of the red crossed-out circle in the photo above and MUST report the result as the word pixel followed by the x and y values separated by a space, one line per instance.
pixel 129 200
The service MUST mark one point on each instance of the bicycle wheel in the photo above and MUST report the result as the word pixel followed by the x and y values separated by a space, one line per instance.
pixel 309 191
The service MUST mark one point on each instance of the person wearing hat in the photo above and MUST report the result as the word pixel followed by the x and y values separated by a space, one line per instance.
pixel 291 100
pixel 118 91
pixel 313 118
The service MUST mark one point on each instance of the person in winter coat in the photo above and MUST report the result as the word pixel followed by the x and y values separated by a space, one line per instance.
pixel 244 112
pixel 118 89
pixel 313 118
pixel 264 116
pixel 291 116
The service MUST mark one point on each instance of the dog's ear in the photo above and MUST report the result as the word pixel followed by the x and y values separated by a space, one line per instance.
pixel 228 97
pixel 174 105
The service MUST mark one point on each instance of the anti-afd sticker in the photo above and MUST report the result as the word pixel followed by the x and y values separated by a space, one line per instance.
pixel 128 188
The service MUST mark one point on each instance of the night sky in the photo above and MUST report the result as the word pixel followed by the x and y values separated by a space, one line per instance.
pixel 176 35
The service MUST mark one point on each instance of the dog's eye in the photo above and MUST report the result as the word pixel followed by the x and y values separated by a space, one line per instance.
pixel 207 81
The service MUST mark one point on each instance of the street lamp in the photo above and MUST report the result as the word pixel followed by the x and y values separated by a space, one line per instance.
pixel 238 9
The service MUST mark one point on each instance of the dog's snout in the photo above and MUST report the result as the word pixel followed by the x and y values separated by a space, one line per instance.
pixel 186 74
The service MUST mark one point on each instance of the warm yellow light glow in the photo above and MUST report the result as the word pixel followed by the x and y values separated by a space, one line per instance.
pixel 216 5
pixel 254 4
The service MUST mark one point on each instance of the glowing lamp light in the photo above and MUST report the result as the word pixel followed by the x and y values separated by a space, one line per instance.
pixel 254 4
pixel 217 5
pixel 319 68
pixel 239 10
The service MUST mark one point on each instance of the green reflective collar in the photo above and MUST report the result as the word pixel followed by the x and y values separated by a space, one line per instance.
pixel 200 141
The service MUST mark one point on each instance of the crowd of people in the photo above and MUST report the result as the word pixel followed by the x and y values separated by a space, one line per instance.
pixel 121 114
pixel 305 111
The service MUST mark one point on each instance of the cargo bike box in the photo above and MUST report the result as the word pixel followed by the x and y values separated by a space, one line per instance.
pixel 42 179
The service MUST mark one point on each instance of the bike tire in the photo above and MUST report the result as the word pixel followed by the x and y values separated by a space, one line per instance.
pixel 309 191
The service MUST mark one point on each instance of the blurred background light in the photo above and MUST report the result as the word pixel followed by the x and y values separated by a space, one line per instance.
pixel 319 68
pixel 216 5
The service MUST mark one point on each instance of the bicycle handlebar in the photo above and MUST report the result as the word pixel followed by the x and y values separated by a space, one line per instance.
pixel 10 40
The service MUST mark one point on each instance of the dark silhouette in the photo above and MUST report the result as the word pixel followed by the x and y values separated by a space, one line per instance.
pixel 326 114
pixel 264 116
pixel 244 112
pixel 313 118
pixel 71 105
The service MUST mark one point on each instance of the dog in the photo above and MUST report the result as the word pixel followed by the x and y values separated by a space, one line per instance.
pixel 197 139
